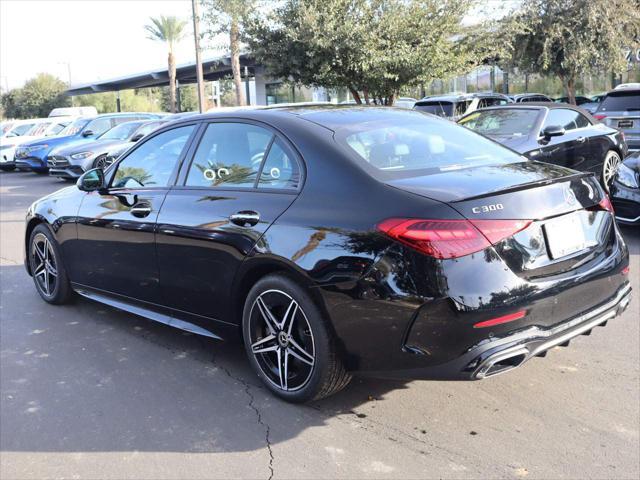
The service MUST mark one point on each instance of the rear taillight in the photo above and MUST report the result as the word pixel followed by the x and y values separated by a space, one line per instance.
pixel 450 238
pixel 599 116
pixel 604 204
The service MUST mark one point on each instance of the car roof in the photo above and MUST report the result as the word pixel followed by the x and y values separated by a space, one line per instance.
pixel 539 106
pixel 461 96
pixel 326 115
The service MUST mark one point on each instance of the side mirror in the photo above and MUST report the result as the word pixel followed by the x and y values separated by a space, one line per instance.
pixel 553 131
pixel 137 137
pixel 87 133
pixel 91 180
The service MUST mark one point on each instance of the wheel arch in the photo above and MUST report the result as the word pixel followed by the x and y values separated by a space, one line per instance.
pixel 31 225
pixel 255 269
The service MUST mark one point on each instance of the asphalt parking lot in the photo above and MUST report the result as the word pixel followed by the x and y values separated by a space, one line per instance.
pixel 91 392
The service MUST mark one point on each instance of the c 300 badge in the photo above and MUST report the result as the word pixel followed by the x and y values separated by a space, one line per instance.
pixel 488 208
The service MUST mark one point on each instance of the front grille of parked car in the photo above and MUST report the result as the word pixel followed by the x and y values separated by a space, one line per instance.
pixel 57 161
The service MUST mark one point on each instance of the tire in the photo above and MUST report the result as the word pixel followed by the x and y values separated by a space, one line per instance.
pixel 7 169
pixel 100 162
pixel 609 166
pixel 47 269
pixel 295 339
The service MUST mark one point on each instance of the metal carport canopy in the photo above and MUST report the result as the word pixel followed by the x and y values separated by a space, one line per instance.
pixel 213 69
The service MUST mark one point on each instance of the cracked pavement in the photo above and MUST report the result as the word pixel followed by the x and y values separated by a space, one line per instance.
pixel 87 391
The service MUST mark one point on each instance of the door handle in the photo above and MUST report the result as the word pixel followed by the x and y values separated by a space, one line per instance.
pixel 245 218
pixel 581 139
pixel 141 209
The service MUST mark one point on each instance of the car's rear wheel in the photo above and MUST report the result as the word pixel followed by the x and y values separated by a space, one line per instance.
pixel 45 262
pixel 288 342
pixel 609 168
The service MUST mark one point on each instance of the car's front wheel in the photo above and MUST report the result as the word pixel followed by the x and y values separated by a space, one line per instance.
pixel 288 342
pixel 609 168
pixel 47 269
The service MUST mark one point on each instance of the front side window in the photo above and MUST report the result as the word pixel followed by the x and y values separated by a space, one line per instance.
pixel 99 126
pixel 20 130
pixel 121 132
pixel 411 145
pixel 153 162
pixel 74 127
pixel 230 155
pixel 509 122
pixel 442 109
pixel 562 117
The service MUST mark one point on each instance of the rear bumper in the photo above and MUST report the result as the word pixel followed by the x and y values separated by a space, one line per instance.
pixel 513 351
pixel 493 357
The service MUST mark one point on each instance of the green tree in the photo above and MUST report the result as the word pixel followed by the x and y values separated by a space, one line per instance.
pixel 570 38
pixel 169 30
pixel 230 17
pixel 375 48
pixel 36 98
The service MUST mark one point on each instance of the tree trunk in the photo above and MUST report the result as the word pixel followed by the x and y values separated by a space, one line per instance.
pixel 172 82
pixel 391 99
pixel 355 95
pixel 365 91
pixel 571 90
pixel 234 40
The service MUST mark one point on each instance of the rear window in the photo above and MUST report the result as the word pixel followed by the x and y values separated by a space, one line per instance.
pixel 442 109
pixel 510 122
pixel 621 102
pixel 412 144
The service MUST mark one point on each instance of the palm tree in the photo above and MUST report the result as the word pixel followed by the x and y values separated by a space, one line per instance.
pixel 170 30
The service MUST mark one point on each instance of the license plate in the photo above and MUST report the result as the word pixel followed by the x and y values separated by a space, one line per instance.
pixel 565 235
pixel 625 124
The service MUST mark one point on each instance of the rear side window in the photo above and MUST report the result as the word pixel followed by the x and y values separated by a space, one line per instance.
pixel 229 154
pixel 412 144
pixel 621 102
pixel 280 170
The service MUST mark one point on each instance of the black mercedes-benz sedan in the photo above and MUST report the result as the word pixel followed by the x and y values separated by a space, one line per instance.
pixel 339 240
pixel 625 190
pixel 554 133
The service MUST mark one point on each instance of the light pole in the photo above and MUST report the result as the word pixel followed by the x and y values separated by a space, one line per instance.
pixel 68 64
pixel 196 36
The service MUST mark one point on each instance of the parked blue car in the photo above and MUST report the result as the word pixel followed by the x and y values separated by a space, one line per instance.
pixel 33 155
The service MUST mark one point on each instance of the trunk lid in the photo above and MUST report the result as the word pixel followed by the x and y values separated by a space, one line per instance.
pixel 568 228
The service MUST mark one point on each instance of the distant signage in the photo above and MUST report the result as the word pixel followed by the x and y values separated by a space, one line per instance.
pixel 632 55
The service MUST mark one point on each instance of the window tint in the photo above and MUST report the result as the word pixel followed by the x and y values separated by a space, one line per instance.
pixel 562 117
pixel 507 121
pixel 280 170
pixel 621 101
pixel 442 109
pixel 99 126
pixel 229 154
pixel 151 164
pixel 404 145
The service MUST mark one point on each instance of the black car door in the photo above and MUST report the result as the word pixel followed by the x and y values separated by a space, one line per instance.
pixel 116 227
pixel 241 178
pixel 569 150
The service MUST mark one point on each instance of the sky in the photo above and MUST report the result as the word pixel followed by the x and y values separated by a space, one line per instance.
pixel 99 39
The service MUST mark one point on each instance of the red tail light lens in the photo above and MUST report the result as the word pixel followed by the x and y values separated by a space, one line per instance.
pixel 605 204
pixel 449 238
pixel 599 116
